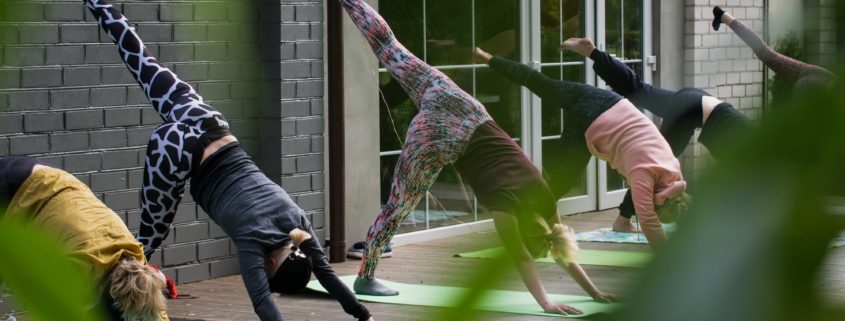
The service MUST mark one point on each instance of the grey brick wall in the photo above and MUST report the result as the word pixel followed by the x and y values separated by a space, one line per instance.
pixel 292 109
pixel 66 98
pixel 721 64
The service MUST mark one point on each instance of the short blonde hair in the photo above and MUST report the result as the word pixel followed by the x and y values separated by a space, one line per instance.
pixel 669 211
pixel 136 290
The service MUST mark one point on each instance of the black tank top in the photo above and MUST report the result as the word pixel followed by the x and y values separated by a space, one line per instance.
pixel 492 162
pixel 14 171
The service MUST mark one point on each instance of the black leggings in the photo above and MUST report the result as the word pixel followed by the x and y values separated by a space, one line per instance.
pixel 681 112
pixel 581 105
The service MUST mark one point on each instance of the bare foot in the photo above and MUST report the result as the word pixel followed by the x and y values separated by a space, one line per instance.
pixel 624 225
pixel 481 56
pixel 582 46
pixel 727 18
pixel 372 287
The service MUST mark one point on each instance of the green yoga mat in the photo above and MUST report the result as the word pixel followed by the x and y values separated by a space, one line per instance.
pixel 586 257
pixel 494 301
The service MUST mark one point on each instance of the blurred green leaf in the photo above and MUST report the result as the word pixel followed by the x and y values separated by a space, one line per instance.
pixel 42 276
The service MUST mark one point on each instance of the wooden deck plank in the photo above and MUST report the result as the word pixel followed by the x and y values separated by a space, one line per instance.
pixel 225 299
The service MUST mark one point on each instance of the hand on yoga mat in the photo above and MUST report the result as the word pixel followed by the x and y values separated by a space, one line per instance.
pixel 607 298
pixel 560 309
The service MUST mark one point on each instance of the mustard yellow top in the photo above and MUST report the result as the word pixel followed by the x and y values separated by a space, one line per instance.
pixel 93 234
pixel 62 205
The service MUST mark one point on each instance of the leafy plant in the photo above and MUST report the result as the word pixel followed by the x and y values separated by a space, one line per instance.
pixel 780 87
pixel 42 277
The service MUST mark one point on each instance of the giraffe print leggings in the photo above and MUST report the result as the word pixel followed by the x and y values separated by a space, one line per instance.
pixel 176 146
pixel 437 136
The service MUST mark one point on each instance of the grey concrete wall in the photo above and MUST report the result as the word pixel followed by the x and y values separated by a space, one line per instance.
pixel 362 132
pixel 67 99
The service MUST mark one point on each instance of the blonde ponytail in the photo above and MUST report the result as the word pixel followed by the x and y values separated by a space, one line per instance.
pixel 136 290
pixel 298 236
pixel 564 247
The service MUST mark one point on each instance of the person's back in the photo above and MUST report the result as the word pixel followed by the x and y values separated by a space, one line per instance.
pixel 62 205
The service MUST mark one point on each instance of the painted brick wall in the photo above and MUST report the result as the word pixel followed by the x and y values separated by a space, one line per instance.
pixel 66 98
pixel 721 64
pixel 293 105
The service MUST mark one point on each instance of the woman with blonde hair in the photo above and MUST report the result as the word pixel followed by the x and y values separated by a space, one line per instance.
pixel 682 112
pixel 96 238
pixel 608 126
pixel 452 127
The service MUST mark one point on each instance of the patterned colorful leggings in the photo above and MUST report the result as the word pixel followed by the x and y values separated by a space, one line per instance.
pixel 174 147
pixel 806 76
pixel 437 136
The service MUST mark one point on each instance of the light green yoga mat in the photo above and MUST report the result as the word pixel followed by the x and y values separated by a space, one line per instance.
pixel 586 257
pixel 494 301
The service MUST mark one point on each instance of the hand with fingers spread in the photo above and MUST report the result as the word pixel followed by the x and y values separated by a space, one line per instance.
pixel 560 309
pixel 607 298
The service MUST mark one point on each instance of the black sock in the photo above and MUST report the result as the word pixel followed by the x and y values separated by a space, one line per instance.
pixel 717 17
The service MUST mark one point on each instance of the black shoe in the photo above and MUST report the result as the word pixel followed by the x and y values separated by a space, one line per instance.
pixel 717 17
pixel 357 250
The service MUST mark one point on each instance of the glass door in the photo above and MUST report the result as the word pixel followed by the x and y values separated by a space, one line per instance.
pixel 443 33
pixel 622 31
pixel 552 22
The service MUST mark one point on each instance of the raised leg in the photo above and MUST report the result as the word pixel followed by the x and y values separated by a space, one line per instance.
pixel 174 99
pixel 174 149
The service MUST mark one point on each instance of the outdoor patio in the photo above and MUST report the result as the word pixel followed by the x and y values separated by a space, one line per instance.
pixel 433 263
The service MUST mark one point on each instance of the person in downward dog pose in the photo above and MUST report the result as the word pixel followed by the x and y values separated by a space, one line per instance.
pixel 681 111
pixel 604 124
pixel 277 249
pixel 453 127
pixel 805 76
pixel 57 202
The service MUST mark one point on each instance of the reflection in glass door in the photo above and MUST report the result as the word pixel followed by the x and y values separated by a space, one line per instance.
pixel 558 21
pixel 443 33
pixel 622 32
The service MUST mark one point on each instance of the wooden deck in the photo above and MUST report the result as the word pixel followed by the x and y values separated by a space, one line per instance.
pixel 433 263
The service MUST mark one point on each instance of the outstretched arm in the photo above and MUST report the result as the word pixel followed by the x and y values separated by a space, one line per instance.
pixel 506 226
pixel 251 259
pixel 642 188
pixel 329 280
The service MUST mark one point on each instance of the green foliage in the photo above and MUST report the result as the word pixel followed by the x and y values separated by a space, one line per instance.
pixel 48 284
pixel 780 87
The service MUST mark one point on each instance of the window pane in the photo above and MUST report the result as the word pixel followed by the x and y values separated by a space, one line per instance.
pixel 448 32
pixel 502 99
pixel 395 113
pixel 497 27
pixel 405 17
pixel 633 14
pixel 624 28
pixel 450 201
pixel 559 20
